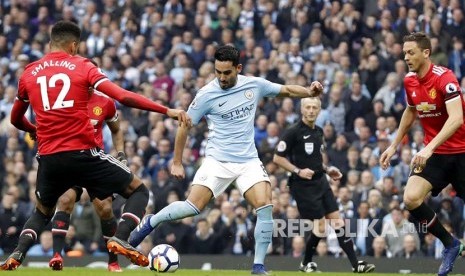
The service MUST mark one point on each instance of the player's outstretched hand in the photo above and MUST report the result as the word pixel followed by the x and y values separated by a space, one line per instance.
pixel 316 88
pixel 180 115
pixel 177 170
pixel 385 159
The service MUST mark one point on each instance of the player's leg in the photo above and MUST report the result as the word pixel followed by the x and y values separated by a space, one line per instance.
pixel 47 193
pixel 259 196
pixel 102 175
pixel 347 244
pixel 60 224
pixel 109 224
pixel 434 177
pixel 137 199
pixel 210 180
pixel 198 198
pixel 253 182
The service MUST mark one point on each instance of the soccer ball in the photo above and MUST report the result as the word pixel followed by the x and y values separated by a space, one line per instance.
pixel 163 258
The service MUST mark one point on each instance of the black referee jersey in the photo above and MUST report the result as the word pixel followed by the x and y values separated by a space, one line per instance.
pixel 303 147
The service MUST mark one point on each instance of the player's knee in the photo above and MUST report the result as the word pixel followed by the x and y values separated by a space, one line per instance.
pixel 261 202
pixel 412 201
pixel 143 190
pixel 65 203
pixel 105 211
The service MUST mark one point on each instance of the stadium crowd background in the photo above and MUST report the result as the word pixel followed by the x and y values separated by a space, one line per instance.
pixel 164 50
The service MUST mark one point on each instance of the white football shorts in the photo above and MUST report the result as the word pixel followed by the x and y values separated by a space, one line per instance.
pixel 217 176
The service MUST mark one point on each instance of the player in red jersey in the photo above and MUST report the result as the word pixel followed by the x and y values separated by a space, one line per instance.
pixel 433 93
pixel 56 86
pixel 101 109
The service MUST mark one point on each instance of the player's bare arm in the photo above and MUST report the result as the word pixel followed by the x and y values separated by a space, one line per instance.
pixel 297 91
pixel 177 169
pixel 118 140
pixel 406 122
pixel 453 122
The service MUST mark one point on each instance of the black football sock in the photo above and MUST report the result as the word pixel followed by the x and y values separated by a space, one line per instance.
pixel 133 211
pixel 310 248
pixel 347 245
pixel 60 225
pixel 428 219
pixel 31 230
pixel 108 231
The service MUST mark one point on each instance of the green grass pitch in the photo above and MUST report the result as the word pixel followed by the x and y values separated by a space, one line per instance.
pixel 181 272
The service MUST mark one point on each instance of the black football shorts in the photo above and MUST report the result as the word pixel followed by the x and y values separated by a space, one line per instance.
pixel 100 173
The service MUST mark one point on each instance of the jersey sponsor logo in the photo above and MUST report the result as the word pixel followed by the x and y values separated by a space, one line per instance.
pixel 239 112
pixel 414 94
pixel 97 110
pixel 432 94
pixel 309 148
pixel 306 136
pixel 221 104
pixel 425 107
pixel 281 146
pixel 322 148
pixel 451 88
pixel 249 94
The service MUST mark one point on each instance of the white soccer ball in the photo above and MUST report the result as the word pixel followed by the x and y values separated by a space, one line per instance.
pixel 163 258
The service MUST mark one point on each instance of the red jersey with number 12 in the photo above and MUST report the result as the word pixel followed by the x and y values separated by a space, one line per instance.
pixel 429 95
pixel 57 88
pixel 101 109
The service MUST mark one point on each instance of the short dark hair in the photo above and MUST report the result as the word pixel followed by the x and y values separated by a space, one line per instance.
pixel 420 38
pixel 227 53
pixel 65 31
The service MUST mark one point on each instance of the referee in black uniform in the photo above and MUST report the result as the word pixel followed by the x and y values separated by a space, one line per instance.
pixel 300 151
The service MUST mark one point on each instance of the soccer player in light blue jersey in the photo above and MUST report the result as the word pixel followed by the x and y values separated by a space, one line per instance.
pixel 229 103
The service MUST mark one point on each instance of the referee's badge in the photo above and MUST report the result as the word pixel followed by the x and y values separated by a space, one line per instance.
pixel 309 148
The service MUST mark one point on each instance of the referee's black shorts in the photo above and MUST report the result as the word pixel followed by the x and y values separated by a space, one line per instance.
pixel 100 173
pixel 443 169
pixel 314 198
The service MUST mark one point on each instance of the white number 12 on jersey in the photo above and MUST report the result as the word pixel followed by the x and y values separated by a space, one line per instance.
pixel 60 102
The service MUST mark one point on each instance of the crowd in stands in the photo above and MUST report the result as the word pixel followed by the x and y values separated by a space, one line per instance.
pixel 163 49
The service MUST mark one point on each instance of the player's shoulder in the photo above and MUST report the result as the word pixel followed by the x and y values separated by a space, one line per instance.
pixel 208 88
pixel 439 70
pixel 82 59
pixel 410 76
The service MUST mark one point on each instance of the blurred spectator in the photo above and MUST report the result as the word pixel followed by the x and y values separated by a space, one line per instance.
pixel 379 248
pixel 87 223
pixel 45 247
pixel 396 229
pixel 298 247
pixel 365 228
pixel 409 248
pixel 205 240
